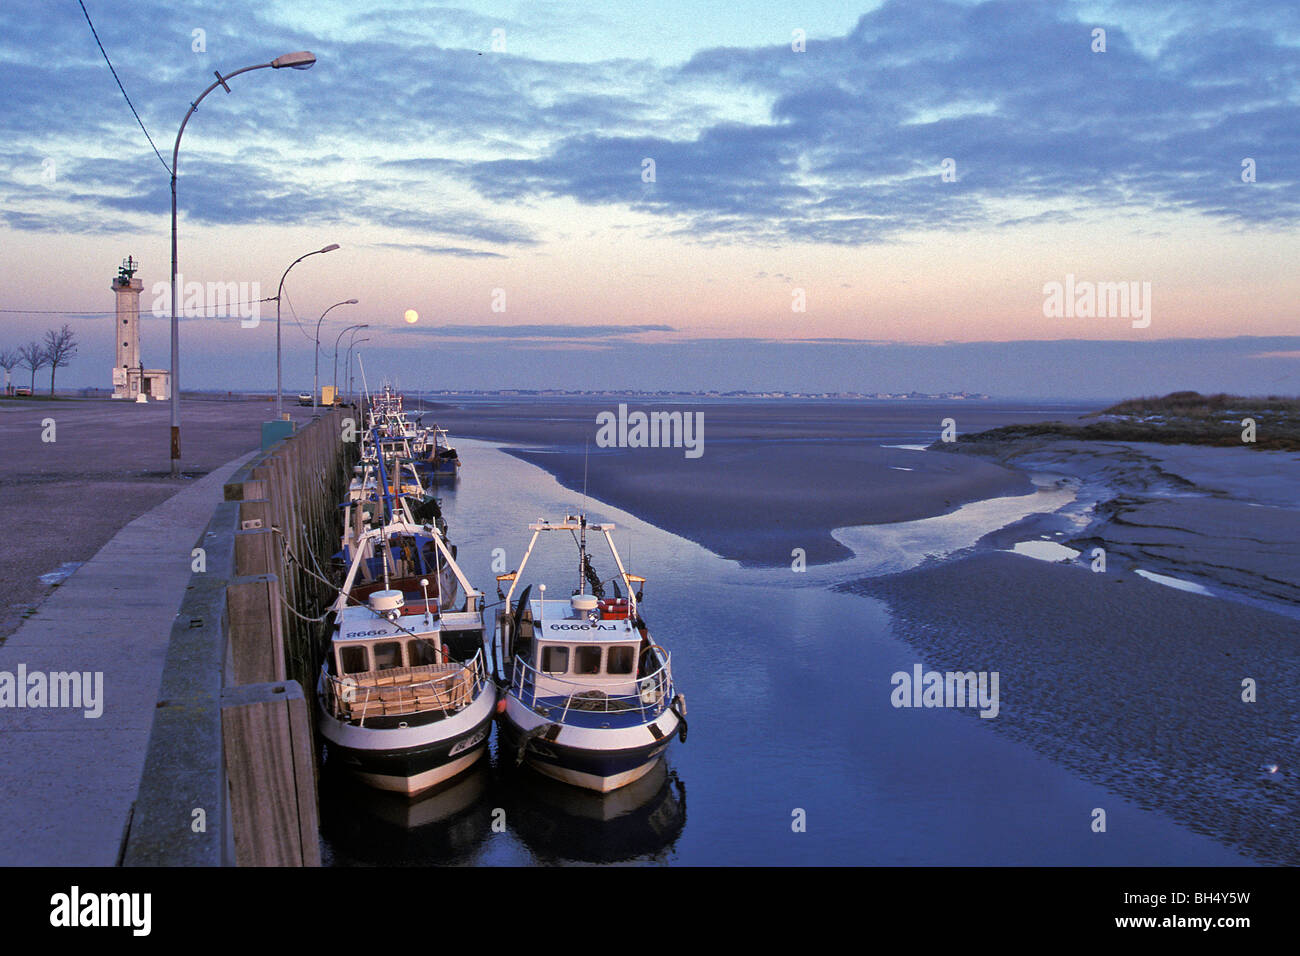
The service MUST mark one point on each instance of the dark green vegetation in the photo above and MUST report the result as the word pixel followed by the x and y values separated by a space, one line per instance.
pixel 1180 418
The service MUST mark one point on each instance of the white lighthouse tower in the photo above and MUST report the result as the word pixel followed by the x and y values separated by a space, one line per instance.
pixel 130 378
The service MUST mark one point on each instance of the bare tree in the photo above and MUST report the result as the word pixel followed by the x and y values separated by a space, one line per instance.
pixel 60 349
pixel 33 356
pixel 8 360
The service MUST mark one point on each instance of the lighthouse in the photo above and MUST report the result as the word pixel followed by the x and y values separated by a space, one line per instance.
pixel 130 378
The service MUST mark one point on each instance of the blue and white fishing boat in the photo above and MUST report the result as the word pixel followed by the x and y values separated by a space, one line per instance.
pixel 427 448
pixel 383 495
pixel 405 698
pixel 437 459
pixel 590 698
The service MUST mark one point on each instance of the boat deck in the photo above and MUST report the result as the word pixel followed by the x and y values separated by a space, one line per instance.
pixel 400 691
pixel 614 712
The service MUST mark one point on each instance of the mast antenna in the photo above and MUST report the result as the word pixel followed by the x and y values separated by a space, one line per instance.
pixel 586 448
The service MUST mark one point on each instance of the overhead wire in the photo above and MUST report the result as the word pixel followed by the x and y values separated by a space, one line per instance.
pixel 90 312
pixel 294 313
pixel 95 34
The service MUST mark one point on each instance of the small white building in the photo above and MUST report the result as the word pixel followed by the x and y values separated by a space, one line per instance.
pixel 130 378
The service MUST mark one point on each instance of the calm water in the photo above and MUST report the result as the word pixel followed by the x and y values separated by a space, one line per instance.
pixel 787 686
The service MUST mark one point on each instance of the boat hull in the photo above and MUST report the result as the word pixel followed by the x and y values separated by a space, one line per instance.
pixel 594 759
pixel 411 760
pixel 442 470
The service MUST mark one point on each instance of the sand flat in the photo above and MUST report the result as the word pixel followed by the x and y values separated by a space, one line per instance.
pixel 756 504
pixel 1133 685
pixel 774 476
pixel 1226 516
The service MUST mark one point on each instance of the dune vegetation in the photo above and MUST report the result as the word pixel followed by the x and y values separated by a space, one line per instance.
pixel 1185 418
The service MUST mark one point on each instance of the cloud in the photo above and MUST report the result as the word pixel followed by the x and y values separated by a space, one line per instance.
pixel 556 331
pixel 1011 91
pixel 403 124
pixel 458 251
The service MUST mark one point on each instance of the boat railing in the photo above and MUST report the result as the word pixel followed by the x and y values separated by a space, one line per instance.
pixel 401 691
pixel 646 697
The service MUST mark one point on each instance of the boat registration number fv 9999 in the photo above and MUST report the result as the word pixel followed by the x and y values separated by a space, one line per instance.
pixel 468 742
pixel 376 633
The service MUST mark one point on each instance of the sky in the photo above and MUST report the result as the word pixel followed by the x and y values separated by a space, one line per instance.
pixel 797 195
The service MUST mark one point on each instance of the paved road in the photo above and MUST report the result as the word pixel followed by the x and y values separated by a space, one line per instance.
pixel 61 500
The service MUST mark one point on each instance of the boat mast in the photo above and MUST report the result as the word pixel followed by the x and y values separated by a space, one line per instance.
pixel 582 554
pixel 389 517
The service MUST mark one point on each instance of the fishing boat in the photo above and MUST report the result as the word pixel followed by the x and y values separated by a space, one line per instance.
pixel 405 698
pixel 380 495
pixel 428 448
pixel 432 449
pixel 386 403
pixel 590 698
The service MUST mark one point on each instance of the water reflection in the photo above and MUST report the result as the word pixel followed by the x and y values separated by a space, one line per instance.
pixel 364 826
pixel 559 822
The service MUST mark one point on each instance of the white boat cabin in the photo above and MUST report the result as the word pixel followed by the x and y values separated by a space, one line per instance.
pixel 395 665
pixel 364 642
pixel 584 640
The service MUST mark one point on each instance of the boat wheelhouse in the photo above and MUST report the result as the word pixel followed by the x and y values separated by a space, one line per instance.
pixel 405 698
pixel 386 403
pixel 590 698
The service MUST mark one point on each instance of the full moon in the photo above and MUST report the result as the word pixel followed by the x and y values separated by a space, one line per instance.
pixel 411 316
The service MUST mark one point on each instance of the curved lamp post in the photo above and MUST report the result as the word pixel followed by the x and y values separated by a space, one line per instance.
pixel 336 355
pixel 295 61
pixel 279 392
pixel 315 375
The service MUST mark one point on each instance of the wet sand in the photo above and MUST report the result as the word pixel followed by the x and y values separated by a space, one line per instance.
pixel 1132 684
pixel 757 505
pixel 63 500
pixel 1227 518
pixel 773 476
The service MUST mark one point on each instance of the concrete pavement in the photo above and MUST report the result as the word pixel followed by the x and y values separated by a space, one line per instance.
pixel 67 781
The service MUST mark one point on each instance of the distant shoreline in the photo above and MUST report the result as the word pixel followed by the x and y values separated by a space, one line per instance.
pixel 442 397
pixel 1258 423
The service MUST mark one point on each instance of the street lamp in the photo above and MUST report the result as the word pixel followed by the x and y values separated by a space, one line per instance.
pixel 279 392
pixel 315 375
pixel 350 344
pixel 336 354
pixel 296 61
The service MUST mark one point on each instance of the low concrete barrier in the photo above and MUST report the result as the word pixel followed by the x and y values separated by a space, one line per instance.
pixel 229 777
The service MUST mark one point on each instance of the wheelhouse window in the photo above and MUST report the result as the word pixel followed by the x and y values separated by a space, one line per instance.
pixel 388 655
pixel 622 659
pixel 354 660
pixel 421 651
pixel 586 659
pixel 555 659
